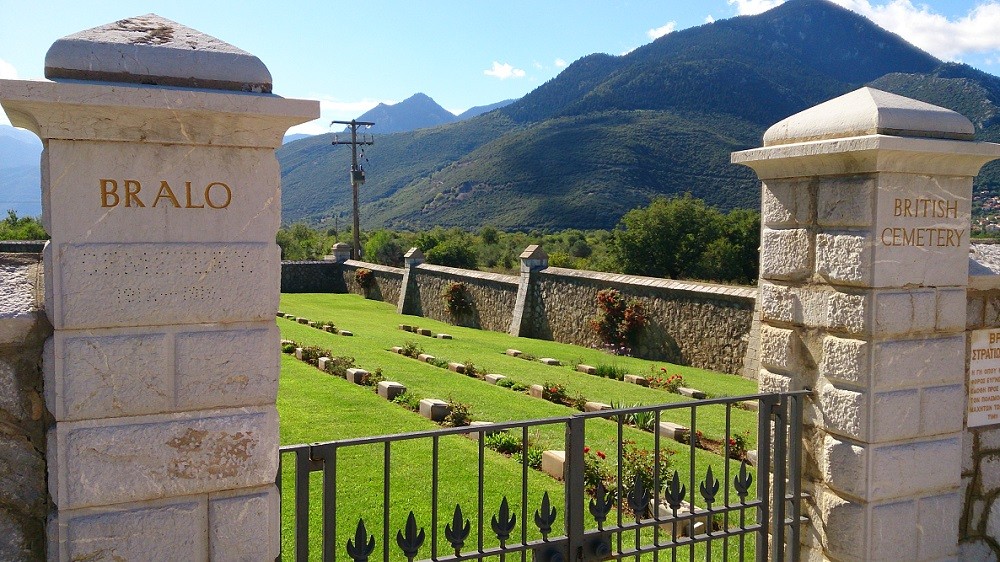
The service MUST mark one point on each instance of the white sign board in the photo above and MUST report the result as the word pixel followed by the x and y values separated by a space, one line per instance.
pixel 984 378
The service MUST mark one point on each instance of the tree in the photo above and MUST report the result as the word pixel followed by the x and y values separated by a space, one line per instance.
pixel 21 228
pixel 454 252
pixel 382 247
pixel 667 238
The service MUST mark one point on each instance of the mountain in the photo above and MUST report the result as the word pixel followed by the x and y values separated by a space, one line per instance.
pixel 20 176
pixel 415 112
pixel 610 133
pixel 481 109
pixel 294 137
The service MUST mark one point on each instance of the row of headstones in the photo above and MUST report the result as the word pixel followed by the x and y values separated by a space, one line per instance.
pixel 643 381
pixel 424 332
pixel 324 327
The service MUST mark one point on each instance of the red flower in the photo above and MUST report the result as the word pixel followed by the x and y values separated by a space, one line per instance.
pixel 586 449
pixel 732 442
pixel 601 454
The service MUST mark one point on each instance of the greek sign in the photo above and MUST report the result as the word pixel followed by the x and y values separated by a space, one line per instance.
pixel 984 378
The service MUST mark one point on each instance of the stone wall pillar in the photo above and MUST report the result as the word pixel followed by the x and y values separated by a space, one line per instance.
pixel 408 292
pixel 162 198
pixel 533 260
pixel 340 253
pixel 864 266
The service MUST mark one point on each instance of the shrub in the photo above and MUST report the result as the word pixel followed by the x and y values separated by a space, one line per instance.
pixel 473 371
pixel 408 400
pixel 325 323
pixel 534 457
pixel 638 464
pixel 554 392
pixel 738 445
pixel 595 470
pixel 580 402
pixel 503 442
pixel 338 366
pixel 411 349
pixel 669 383
pixel 456 298
pixel 611 372
pixel 312 353
pixel 364 277
pixel 439 363
pixel 618 322
pixel 288 346
pixel 506 382
pixel 372 379
pixel 519 387
pixel 459 414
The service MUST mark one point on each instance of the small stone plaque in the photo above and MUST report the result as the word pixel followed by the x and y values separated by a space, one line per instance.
pixel 984 378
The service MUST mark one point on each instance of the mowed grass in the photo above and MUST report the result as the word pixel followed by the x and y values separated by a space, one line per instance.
pixel 317 407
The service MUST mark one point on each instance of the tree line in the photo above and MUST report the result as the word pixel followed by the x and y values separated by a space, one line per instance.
pixel 678 238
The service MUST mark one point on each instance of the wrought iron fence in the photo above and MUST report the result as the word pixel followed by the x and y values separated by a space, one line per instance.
pixel 675 510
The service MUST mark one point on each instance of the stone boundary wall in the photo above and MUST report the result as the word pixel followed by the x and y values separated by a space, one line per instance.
pixel 24 327
pixel 697 324
pixel 387 281
pixel 979 522
pixel 493 296
pixel 312 277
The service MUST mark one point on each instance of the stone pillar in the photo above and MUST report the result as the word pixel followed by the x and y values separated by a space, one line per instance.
pixel 533 260
pixel 341 252
pixel 162 198
pixel 864 266
pixel 411 259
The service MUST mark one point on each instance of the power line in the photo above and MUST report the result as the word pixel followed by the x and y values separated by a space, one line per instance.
pixel 357 172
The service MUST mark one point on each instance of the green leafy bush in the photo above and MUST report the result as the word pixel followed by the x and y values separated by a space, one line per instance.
pixel 503 442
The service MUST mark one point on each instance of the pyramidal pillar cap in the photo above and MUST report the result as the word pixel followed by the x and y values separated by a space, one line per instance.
pixel 868 111
pixel 154 50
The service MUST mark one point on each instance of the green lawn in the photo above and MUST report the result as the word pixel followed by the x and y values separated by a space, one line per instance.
pixel 317 407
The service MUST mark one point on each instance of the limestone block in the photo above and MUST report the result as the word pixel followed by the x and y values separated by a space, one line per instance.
pixel 434 409
pixel 406 327
pixel 550 361
pixel 845 412
pixel 390 390
pixel 774 382
pixel 586 369
pixel 674 431
pixel 426 357
pixel 892 529
pixel 244 524
pixel 280 314
pixel 951 310
pixel 493 378
pixel 311 324
pixel 752 457
pixel 303 321
pixel 553 462
pixel 844 465
pixel 596 407
pixel 941 410
pixel 456 367
pixel 691 393
pixel 536 390
pixel 22 477
pixel 513 353
pixel 682 527
pixel 928 466
pixel 356 375
pixel 750 405
pixel 781 349
pixel 227 368
pixel 345 333
pixel 847 312
pixel 322 362
pixel 895 415
pixel 636 379
pixel 845 201
pixel 444 336
pixel 110 376
pixel 298 353
pixel 785 202
pixel 844 258
pixel 482 428
pixel 329 329
pixel 975 311
pixel 905 312
pixel 785 254
pixel 919 362
pixel 937 519
pixel 845 522
pixel 425 332
pixel 845 360
pixel 396 349
pixel 102 462
pixel 180 526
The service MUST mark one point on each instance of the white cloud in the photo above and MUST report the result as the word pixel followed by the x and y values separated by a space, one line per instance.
pixel 949 39
pixel 709 18
pixel 504 71
pixel 750 7
pixel 658 32
pixel 560 63
pixel 538 66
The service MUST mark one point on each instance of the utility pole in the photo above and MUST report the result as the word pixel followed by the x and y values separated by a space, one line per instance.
pixel 357 173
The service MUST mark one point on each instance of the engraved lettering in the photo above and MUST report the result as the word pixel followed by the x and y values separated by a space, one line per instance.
pixel 109 193
pixel 166 193
pixel 187 197
pixel 208 195
pixel 131 195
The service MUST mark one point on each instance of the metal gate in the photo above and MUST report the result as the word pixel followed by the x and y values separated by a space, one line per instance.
pixel 680 508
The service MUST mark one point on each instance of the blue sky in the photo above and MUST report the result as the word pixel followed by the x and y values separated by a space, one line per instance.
pixel 462 53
